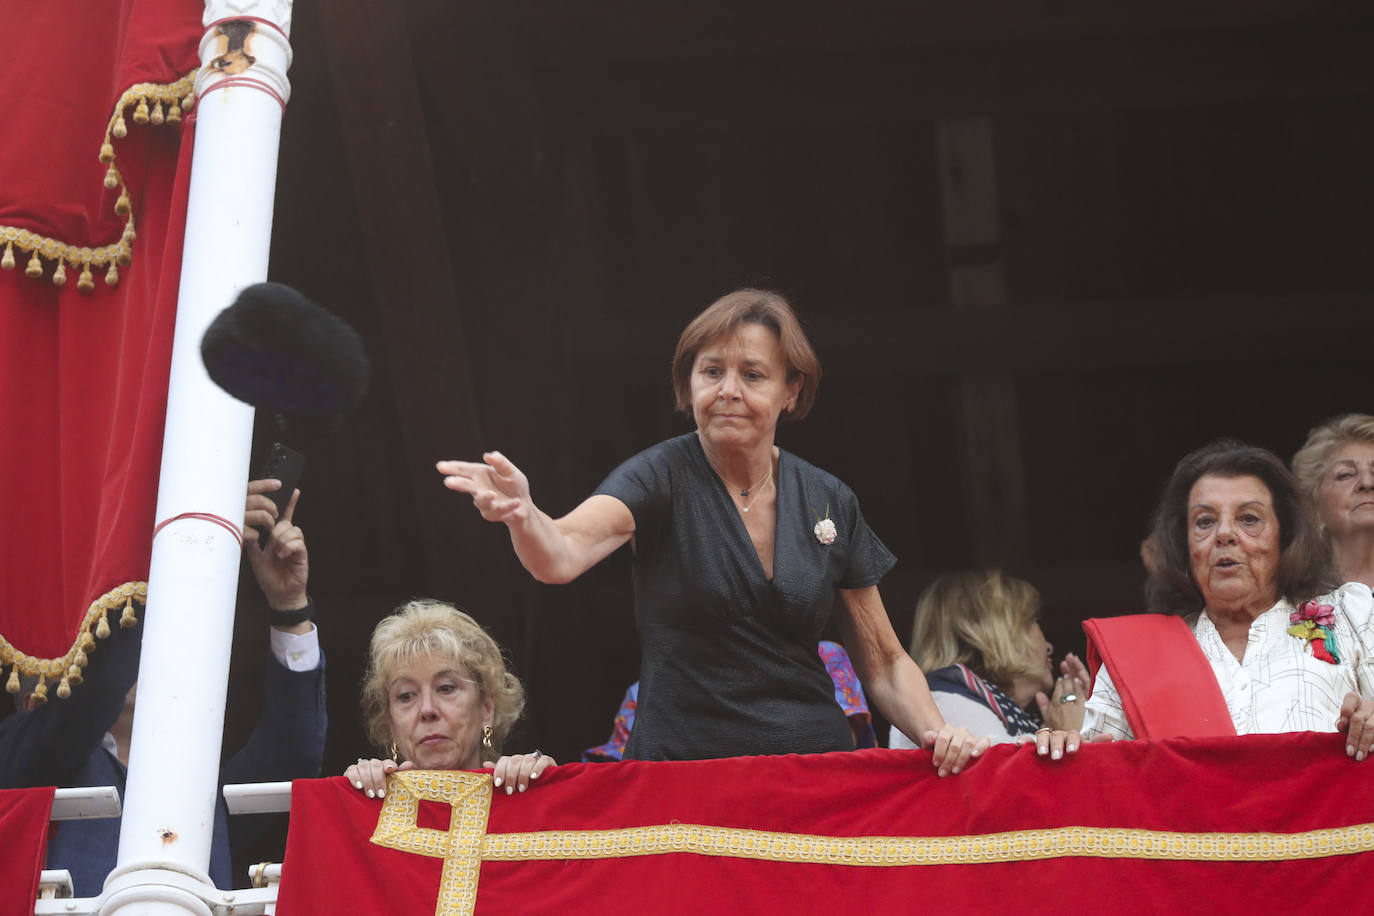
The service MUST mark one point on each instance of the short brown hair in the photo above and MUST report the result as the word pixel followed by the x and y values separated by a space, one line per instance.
pixel 724 316
pixel 427 627
pixel 1305 567
pixel 1313 460
pixel 978 619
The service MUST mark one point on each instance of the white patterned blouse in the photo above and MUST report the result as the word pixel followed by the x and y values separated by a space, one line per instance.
pixel 1280 686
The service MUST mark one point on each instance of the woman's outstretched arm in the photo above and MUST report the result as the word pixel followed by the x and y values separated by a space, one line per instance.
pixel 553 550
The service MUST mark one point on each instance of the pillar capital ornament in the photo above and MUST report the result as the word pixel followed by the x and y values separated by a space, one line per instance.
pixel 246 43
pixel 275 11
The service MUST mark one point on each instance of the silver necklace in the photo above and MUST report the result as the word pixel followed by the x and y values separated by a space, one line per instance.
pixel 745 491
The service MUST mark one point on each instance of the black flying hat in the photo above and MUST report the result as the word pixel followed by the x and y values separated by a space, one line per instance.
pixel 278 351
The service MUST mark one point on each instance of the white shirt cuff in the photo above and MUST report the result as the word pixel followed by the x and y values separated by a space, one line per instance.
pixel 296 653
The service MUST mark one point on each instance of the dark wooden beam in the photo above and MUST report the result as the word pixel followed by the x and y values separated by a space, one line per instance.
pixel 628 30
pixel 1033 336
pixel 904 83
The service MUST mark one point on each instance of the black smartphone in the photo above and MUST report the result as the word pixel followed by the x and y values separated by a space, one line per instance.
pixel 284 464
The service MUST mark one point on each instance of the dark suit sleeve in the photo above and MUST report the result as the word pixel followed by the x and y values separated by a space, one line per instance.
pixel 42 747
pixel 288 742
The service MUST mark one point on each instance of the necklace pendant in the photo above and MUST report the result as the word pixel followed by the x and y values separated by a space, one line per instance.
pixel 744 509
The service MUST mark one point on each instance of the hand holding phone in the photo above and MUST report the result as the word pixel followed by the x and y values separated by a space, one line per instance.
pixel 286 465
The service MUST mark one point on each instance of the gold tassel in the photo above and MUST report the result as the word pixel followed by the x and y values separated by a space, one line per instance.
pixel 141 112
pixel 112 275
pixel 121 130
pixel 188 102
pixel 85 283
pixel 79 659
pixel 112 177
pixel 74 675
pixel 59 276
pixel 174 113
pixel 7 262
pixel 40 693
pixel 156 116
pixel 102 629
pixel 12 685
pixel 87 641
pixel 107 151
pixel 64 689
pixel 127 619
pixel 35 268
pixel 123 205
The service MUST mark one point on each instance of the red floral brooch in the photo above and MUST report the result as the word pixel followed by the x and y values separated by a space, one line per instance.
pixel 1316 623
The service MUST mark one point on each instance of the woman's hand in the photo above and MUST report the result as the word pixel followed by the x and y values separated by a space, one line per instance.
pixel 1053 742
pixel 953 749
pixel 517 771
pixel 1056 743
pixel 1064 708
pixel 370 775
pixel 1357 721
pixel 499 489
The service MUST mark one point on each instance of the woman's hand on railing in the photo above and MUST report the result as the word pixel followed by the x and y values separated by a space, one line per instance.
pixel 518 771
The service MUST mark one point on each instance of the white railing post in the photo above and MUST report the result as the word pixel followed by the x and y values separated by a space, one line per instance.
pixel 169 803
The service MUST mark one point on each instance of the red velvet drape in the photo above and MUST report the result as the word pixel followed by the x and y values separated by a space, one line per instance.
pixel 1011 817
pixel 84 372
pixel 24 825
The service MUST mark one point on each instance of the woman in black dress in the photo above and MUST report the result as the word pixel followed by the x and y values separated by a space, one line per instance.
pixel 739 547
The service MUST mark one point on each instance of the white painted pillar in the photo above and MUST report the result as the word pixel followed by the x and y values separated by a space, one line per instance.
pixel 169 802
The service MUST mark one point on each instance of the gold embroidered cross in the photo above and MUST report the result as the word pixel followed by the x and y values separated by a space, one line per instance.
pixel 469 795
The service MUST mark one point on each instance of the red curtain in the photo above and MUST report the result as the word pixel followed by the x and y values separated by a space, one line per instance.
pixel 24 825
pixel 85 370
pixel 1258 824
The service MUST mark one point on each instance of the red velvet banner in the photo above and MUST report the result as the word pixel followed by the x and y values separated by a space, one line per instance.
pixel 92 210
pixel 1258 824
pixel 24 817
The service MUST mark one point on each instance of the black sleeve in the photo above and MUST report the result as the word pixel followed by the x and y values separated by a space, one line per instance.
pixel 868 558
pixel 644 485
pixel 286 744
pixel 39 747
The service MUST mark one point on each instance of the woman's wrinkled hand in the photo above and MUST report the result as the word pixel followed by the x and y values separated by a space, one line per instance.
pixel 370 775
pixel 1357 722
pixel 499 489
pixel 517 771
pixel 953 748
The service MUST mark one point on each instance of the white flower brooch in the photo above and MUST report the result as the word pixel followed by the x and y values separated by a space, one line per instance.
pixel 825 528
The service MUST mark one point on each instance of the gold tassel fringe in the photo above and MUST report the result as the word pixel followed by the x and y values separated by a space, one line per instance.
pixel 66 669
pixel 168 101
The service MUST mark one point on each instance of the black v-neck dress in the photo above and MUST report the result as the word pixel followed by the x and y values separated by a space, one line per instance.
pixel 729 657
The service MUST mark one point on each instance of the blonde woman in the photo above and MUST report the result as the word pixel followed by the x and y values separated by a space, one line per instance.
pixel 437 696
pixel 1336 468
pixel 989 666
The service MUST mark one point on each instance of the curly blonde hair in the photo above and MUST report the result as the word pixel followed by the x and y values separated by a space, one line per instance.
pixel 1313 460
pixel 978 619
pixel 428 627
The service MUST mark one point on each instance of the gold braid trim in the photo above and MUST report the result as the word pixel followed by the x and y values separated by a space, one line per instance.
pixel 178 97
pixel 465 845
pixel 886 851
pixel 66 669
